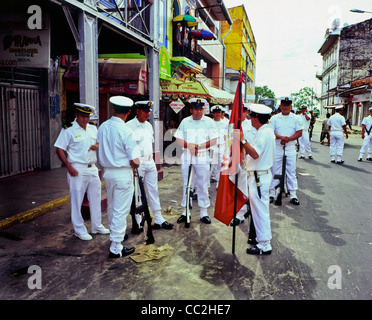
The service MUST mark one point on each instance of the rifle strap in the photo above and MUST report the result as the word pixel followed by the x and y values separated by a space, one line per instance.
pixel 369 130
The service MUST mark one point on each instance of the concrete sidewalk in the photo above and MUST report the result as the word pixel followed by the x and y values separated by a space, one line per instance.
pixel 25 196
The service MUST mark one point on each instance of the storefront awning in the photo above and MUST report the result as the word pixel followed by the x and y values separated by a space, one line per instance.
pixel 219 96
pixel 174 89
pixel 116 76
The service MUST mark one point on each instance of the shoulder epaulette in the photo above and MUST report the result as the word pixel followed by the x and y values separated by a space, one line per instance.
pixel 66 125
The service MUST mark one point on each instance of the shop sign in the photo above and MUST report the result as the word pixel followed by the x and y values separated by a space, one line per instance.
pixel 21 44
pixel 177 105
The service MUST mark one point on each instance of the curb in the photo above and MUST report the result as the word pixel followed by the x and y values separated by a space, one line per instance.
pixel 32 213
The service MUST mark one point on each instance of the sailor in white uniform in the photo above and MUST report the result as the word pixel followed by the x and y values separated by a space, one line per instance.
pixel 118 155
pixel 80 143
pixel 337 127
pixel 196 134
pixel 287 128
pixel 218 149
pixel 367 137
pixel 143 134
pixel 259 160
pixel 304 140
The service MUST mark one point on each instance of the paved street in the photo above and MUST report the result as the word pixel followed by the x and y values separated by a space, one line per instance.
pixel 321 249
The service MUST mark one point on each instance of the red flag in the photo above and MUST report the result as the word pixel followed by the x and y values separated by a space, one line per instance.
pixel 224 208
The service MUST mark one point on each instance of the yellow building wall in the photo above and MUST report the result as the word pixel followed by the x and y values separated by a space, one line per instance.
pixel 236 39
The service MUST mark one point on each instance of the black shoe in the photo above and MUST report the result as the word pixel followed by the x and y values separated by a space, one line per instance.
pixel 369 159
pixel 333 161
pixel 311 157
pixel 164 225
pixel 258 251
pixel 213 180
pixel 124 252
pixel 294 201
pixel 236 222
pixel 340 162
pixel 360 159
pixel 252 241
pixel 206 220
pixel 302 157
pixel 271 199
pixel 181 219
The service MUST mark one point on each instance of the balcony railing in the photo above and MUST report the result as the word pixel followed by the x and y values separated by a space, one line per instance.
pixel 132 14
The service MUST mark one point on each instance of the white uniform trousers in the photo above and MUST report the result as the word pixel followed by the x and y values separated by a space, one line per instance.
pixel 304 142
pixel 120 189
pixel 260 206
pixel 290 169
pixel 86 181
pixel 147 170
pixel 216 163
pixel 337 144
pixel 367 142
pixel 201 175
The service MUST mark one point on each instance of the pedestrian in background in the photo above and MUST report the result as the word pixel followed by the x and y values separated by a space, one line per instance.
pixel 287 128
pixel 143 134
pixel 79 141
pixel 325 130
pixel 337 127
pixel 196 134
pixel 304 140
pixel 260 157
pixel 118 155
pixel 367 138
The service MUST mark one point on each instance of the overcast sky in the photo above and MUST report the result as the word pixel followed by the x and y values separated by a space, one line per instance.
pixel 289 34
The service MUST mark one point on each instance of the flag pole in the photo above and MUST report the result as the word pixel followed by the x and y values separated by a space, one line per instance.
pixel 236 169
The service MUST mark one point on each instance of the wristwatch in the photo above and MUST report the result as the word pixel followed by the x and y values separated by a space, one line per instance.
pixel 244 141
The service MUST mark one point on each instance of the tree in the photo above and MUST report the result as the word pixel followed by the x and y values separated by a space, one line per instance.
pixel 264 93
pixel 306 96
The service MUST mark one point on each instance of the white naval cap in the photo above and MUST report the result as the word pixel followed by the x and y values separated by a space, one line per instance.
pixel 144 105
pixel 121 104
pixel 339 107
pixel 370 109
pixel 285 101
pixel 304 106
pixel 197 102
pixel 217 108
pixel 84 108
pixel 260 108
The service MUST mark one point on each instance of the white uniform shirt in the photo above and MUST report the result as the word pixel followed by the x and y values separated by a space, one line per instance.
pixel 198 132
pixel 221 127
pixel 367 121
pixel 336 122
pixel 264 144
pixel 305 122
pixel 116 144
pixel 143 134
pixel 76 142
pixel 248 130
pixel 286 126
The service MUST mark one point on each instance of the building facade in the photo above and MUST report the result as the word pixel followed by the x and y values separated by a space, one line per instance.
pixel 347 70
pixel 241 51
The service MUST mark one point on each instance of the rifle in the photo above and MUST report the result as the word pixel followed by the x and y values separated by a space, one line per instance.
pixel 145 209
pixel 188 198
pixel 137 226
pixel 281 184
